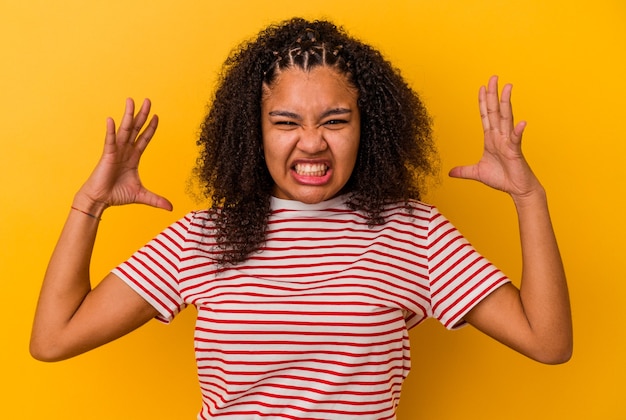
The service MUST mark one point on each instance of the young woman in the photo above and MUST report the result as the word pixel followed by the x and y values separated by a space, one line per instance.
pixel 316 256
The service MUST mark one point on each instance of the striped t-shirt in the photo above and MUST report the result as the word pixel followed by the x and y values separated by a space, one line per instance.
pixel 314 326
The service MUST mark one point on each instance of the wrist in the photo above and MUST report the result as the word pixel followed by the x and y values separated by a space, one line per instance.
pixel 88 206
pixel 535 196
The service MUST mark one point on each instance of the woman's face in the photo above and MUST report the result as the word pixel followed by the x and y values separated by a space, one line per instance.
pixel 311 129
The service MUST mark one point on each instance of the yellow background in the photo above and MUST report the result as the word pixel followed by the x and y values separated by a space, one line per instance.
pixel 67 65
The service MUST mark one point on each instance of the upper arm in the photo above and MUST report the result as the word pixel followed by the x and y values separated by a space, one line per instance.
pixel 501 316
pixel 111 310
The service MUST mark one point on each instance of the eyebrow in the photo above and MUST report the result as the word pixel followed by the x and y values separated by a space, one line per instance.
pixel 289 114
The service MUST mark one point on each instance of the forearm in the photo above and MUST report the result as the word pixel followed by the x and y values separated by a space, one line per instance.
pixel 543 289
pixel 71 318
pixel 67 280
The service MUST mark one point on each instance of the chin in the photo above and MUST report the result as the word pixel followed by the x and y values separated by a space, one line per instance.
pixel 307 197
pixel 312 200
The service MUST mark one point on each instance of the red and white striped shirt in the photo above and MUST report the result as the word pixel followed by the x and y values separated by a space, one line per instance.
pixel 315 325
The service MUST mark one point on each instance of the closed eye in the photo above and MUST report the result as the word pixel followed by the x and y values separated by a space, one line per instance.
pixel 335 124
pixel 285 123
pixel 336 117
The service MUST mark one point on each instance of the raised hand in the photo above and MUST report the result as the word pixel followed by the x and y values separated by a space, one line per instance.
pixel 534 319
pixel 71 318
pixel 502 165
pixel 115 180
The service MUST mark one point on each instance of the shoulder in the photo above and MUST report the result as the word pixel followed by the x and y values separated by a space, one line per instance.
pixel 412 211
pixel 194 224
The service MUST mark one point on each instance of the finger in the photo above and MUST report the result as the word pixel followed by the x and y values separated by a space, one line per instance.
pixel 508 120
pixel 151 199
pixel 140 119
pixel 482 107
pixel 518 131
pixel 148 133
pixel 506 109
pixel 464 172
pixel 109 138
pixel 493 104
pixel 125 129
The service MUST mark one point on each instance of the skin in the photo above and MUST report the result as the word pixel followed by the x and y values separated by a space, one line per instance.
pixel 535 319
pixel 311 130
pixel 71 317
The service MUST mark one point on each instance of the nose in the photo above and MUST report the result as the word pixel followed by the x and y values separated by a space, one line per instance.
pixel 312 141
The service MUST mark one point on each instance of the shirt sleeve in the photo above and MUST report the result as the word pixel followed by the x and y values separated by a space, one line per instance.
pixel 460 277
pixel 153 271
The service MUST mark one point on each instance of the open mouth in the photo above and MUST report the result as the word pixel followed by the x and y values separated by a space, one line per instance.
pixel 311 169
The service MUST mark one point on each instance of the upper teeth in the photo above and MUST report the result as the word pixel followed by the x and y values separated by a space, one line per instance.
pixel 311 169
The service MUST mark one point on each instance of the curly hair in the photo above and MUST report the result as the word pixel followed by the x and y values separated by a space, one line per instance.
pixel 396 154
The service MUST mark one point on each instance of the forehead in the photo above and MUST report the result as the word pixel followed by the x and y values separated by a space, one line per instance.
pixel 319 84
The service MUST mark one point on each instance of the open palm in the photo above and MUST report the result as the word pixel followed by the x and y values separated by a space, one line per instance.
pixel 502 165
pixel 115 180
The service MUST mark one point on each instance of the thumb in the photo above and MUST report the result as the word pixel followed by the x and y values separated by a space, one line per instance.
pixel 151 199
pixel 464 172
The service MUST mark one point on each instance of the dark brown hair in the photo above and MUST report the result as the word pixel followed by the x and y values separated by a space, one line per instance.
pixel 396 153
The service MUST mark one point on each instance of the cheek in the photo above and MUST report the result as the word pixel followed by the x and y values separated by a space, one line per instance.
pixel 275 154
pixel 351 150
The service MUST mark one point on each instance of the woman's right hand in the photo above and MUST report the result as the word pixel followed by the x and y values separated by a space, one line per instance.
pixel 115 180
pixel 71 318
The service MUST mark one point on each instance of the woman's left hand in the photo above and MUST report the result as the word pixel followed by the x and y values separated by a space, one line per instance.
pixel 502 165
pixel 536 318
